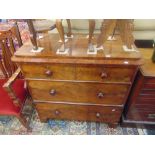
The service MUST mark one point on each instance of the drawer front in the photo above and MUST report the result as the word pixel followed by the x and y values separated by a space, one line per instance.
pixel 52 71
pixel 96 93
pixel 81 73
pixel 148 93
pixel 143 107
pixel 150 80
pixel 139 115
pixel 104 74
pixel 145 100
pixel 149 86
pixel 78 112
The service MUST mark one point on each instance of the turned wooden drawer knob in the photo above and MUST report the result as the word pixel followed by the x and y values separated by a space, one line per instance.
pixel 98 115
pixel 103 75
pixel 52 92
pixel 100 95
pixel 48 73
pixel 57 112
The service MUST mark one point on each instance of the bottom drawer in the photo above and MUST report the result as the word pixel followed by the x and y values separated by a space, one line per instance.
pixel 143 107
pixel 78 112
pixel 138 115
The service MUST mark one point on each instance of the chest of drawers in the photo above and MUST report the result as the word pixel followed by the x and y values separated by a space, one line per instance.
pixel 78 86
pixel 140 107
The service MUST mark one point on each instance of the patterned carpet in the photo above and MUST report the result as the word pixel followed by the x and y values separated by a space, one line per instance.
pixel 11 126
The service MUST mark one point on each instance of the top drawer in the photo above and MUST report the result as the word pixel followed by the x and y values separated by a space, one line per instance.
pixel 104 74
pixel 149 83
pixel 79 72
pixel 51 71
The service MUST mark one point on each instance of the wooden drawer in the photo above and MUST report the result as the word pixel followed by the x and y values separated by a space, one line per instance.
pixel 148 92
pixel 81 73
pixel 104 74
pixel 51 71
pixel 149 86
pixel 145 100
pixel 147 97
pixel 143 107
pixel 138 115
pixel 96 93
pixel 78 112
pixel 149 80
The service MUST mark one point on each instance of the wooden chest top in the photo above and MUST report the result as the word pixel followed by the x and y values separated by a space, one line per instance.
pixel 113 52
pixel 148 68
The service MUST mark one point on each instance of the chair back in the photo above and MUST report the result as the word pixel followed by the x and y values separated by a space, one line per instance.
pixel 10 40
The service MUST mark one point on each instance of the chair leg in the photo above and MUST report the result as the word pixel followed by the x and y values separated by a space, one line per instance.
pixel 91 30
pixel 33 35
pixel 28 113
pixel 60 29
pixel 24 122
pixel 69 33
pixel 91 33
pixel 18 34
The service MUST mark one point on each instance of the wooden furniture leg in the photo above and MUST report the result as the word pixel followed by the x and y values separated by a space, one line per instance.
pixel 69 33
pixel 33 35
pixel 91 32
pixel 23 121
pixel 61 33
pixel 107 28
pixel 126 28
pixel 18 35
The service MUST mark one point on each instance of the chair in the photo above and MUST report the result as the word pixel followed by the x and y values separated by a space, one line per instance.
pixel 43 26
pixel 38 26
pixel 13 93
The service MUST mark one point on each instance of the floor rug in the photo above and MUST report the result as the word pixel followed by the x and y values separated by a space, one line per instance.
pixel 11 126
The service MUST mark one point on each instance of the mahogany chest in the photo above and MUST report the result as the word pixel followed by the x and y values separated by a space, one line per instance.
pixel 140 107
pixel 77 85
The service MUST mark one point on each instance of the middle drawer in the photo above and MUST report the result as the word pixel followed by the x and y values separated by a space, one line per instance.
pixel 82 92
